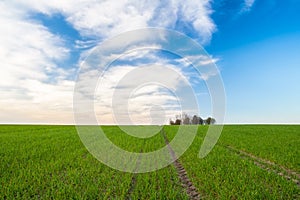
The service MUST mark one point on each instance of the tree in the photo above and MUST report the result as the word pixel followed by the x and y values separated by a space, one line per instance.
pixel 210 120
pixel 186 119
pixel 201 121
pixel 177 122
pixel 213 121
pixel 195 119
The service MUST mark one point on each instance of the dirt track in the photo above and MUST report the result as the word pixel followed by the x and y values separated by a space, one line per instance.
pixel 269 166
pixel 182 174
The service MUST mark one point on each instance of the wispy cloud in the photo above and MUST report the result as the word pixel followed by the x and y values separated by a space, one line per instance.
pixel 31 83
pixel 108 18
pixel 247 5
pixel 134 88
pixel 35 86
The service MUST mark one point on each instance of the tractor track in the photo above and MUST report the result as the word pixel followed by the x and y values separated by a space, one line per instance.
pixel 268 165
pixel 187 184
pixel 133 180
pixel 131 187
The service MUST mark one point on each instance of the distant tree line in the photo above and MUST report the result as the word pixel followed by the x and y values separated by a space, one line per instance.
pixel 185 119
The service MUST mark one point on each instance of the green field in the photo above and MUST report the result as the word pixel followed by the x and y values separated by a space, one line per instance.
pixel 248 162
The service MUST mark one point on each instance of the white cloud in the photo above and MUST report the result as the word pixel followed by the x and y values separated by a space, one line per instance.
pixel 130 91
pixel 123 96
pixel 34 88
pixel 199 15
pixel 247 5
pixel 28 55
pixel 37 102
pixel 109 18
pixel 27 49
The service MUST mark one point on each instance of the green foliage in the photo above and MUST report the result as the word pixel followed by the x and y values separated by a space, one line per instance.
pixel 277 143
pixel 224 174
pixel 50 162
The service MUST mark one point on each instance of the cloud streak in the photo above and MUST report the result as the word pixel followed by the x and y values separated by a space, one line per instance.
pixel 247 5
pixel 35 85
pixel 108 18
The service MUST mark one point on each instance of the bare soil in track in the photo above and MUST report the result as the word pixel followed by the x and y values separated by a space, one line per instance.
pixel 187 184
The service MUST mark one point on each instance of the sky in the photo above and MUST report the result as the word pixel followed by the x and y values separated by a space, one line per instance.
pixel 255 44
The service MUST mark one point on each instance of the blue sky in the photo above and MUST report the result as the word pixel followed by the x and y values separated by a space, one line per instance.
pixel 254 43
pixel 260 62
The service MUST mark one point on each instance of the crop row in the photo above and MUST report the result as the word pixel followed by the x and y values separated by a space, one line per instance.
pixel 42 162
pixel 224 174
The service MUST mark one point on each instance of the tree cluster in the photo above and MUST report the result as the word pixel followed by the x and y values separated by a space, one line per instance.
pixel 185 119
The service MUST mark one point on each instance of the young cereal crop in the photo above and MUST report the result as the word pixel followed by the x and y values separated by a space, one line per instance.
pixel 248 162
pixel 224 174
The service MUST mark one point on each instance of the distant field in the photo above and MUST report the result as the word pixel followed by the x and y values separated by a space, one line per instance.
pixel 248 162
